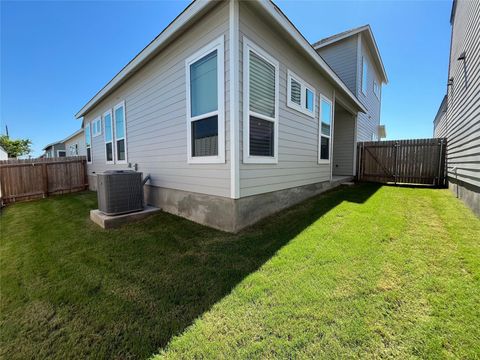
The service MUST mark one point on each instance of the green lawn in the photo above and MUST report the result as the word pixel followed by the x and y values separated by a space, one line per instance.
pixel 365 272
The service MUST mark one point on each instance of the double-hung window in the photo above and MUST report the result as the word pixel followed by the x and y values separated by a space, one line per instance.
pixel 364 75
pixel 120 133
pixel 325 128
pixel 108 131
pixel 97 127
pixel 300 95
pixel 88 143
pixel 260 94
pixel 205 104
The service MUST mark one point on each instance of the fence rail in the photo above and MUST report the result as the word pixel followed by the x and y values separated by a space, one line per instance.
pixel 22 180
pixel 421 161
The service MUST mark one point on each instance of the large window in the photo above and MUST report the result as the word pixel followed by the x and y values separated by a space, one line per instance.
pixel 364 75
pixel 261 82
pixel 300 95
pixel 205 104
pixel 88 142
pixel 325 128
pixel 107 121
pixel 120 133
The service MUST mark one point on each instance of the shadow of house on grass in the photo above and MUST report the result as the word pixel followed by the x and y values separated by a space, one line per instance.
pixel 124 293
pixel 211 265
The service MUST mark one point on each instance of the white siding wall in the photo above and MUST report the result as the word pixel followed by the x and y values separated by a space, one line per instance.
pixel 367 124
pixel 298 133
pixel 342 58
pixel 463 110
pixel 155 102
pixel 440 122
pixel 76 140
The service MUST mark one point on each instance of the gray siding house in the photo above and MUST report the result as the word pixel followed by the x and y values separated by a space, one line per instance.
pixel 56 149
pixel 460 122
pixel 355 57
pixel 232 113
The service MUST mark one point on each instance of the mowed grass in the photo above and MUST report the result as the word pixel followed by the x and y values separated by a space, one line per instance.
pixel 365 272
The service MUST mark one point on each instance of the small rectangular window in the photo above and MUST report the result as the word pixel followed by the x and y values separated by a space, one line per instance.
pixel 107 121
pixel 364 75
pixel 261 91
pixel 96 127
pixel 88 142
pixel 300 95
pixel 376 89
pixel 205 104
pixel 120 133
pixel 325 129
pixel 61 153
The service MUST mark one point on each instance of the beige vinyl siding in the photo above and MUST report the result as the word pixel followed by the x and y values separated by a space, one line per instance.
pixel 463 110
pixel 440 121
pixel 155 104
pixel 367 123
pixel 298 133
pixel 343 143
pixel 342 58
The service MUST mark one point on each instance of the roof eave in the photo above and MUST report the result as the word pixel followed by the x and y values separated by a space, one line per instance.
pixel 188 15
pixel 287 25
pixel 355 31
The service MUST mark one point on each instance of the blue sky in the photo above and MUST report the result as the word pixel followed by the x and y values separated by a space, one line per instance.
pixel 56 55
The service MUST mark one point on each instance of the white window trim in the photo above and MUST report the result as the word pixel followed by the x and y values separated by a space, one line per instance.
pixel 119 105
pixel 320 135
pixel 377 93
pixel 248 46
pixel 217 44
pixel 109 112
pixel 364 87
pixel 304 86
pixel 94 129
pixel 58 153
pixel 87 146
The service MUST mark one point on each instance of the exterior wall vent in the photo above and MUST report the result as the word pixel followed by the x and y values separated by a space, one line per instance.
pixel 119 191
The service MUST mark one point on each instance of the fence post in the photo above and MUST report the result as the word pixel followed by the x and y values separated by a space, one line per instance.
pixel 395 146
pixel 440 160
pixel 45 179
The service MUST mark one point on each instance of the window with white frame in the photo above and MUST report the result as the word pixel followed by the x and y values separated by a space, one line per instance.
pixel 120 133
pixel 376 89
pixel 300 95
pixel 73 150
pixel 364 75
pixel 205 104
pixel 61 153
pixel 96 127
pixel 261 83
pixel 325 128
pixel 88 142
pixel 108 131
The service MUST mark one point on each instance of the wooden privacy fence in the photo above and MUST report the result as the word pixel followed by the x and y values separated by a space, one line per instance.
pixel 22 180
pixel 421 161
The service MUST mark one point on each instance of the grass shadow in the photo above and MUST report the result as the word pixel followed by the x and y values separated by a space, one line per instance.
pixel 125 293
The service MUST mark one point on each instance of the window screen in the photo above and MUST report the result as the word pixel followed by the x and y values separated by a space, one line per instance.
pixel 295 92
pixel 261 137
pixel 205 137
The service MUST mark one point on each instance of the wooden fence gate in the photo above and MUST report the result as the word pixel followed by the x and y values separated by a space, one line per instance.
pixel 36 178
pixel 421 161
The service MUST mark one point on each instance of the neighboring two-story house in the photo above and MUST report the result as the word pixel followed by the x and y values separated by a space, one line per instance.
pixel 458 118
pixel 355 58
pixel 231 112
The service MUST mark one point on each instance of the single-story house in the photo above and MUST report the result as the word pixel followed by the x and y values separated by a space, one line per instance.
pixel 231 111
pixel 458 117
pixel 56 149
pixel 75 144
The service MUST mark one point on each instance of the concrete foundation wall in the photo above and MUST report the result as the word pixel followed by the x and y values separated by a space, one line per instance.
pixel 469 194
pixel 227 214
